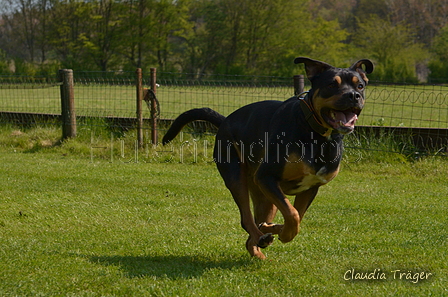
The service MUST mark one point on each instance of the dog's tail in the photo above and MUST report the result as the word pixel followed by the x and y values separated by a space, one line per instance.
pixel 197 114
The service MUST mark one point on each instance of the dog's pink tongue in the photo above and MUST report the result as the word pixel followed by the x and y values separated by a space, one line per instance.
pixel 345 118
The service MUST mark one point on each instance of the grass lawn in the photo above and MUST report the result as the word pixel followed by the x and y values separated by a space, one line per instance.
pixel 72 227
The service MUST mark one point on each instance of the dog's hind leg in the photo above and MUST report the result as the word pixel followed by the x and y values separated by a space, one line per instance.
pixel 234 174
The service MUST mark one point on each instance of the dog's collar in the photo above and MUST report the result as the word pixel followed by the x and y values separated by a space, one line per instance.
pixel 311 117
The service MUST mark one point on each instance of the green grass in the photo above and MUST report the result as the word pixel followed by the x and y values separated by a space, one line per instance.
pixel 73 227
pixel 391 105
pixel 96 143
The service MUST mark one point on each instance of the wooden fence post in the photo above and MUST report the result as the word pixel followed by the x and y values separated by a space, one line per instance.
pixel 153 83
pixel 139 85
pixel 299 84
pixel 67 103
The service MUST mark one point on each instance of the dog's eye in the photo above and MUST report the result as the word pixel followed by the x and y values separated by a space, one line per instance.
pixel 360 86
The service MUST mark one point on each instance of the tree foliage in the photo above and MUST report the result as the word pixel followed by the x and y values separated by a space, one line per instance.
pixel 392 47
pixel 244 37
pixel 439 62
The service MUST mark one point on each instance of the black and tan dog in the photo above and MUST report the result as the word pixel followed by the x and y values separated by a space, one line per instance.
pixel 270 149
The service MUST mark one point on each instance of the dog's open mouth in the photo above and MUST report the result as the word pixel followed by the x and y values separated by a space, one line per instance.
pixel 342 120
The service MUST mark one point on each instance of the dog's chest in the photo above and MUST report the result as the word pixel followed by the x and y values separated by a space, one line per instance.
pixel 298 176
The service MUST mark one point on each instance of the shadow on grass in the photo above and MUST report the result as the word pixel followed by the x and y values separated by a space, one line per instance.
pixel 173 267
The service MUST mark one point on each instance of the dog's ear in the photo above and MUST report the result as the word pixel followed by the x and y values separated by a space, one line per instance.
pixel 312 67
pixel 358 67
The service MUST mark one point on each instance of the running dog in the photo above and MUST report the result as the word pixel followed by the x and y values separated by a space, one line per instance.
pixel 269 149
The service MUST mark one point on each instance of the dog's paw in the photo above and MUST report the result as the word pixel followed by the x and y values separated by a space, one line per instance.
pixel 270 228
pixel 264 224
pixel 265 240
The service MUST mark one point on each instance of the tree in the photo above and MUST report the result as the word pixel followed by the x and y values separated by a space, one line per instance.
pixel 69 26
pixel 439 59
pixel 137 23
pixel 244 37
pixel 172 26
pixel 261 37
pixel 20 25
pixel 103 40
pixel 392 47
pixel 4 63
pixel 426 18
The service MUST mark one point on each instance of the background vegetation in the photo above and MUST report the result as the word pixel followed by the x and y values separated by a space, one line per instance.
pixel 406 39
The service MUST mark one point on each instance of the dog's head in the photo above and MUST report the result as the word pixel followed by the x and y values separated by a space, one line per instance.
pixel 337 94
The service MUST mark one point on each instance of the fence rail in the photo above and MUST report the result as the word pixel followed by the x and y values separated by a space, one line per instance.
pixel 418 110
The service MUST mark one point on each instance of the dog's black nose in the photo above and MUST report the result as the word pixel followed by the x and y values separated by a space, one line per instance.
pixel 356 96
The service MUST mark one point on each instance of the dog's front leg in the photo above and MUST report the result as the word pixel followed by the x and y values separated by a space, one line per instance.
pixel 304 199
pixel 271 189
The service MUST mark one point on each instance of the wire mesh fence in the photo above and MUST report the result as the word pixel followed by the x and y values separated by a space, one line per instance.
pixel 416 106
pixel 105 94
pixel 112 96
pixel 29 95
pixel 221 93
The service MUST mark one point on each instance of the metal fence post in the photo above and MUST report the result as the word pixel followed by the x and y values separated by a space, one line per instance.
pixel 153 83
pixel 299 84
pixel 67 103
pixel 139 86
